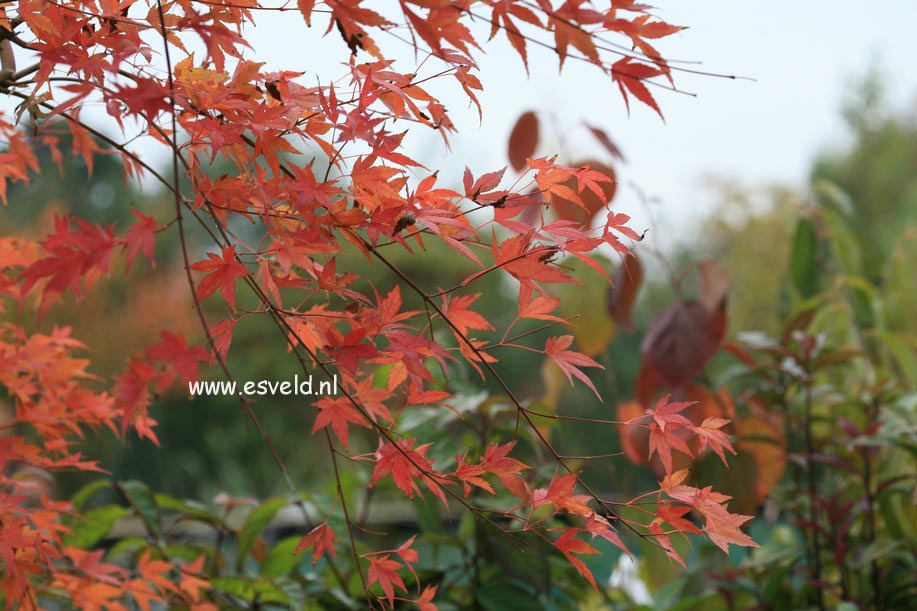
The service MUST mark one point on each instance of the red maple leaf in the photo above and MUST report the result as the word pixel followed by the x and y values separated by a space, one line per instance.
pixel 709 434
pixel 629 75
pixel 339 413
pixel 673 515
pixel 568 545
pixel 666 413
pixel 456 311
pixel 405 464
pixel 179 359
pixel 425 602
pixel 140 239
pixel 222 272
pixel 570 361
pixel 321 539
pixel 663 441
pixel 560 494
pixel 384 571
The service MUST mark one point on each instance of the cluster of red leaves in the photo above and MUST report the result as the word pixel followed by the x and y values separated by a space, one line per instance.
pixel 231 108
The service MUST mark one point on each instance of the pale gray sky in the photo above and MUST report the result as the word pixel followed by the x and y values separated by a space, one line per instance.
pixel 802 56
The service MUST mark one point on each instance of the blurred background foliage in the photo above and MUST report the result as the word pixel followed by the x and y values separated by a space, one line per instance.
pixel 835 262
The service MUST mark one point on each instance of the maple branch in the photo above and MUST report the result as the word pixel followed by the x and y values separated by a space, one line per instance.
pixel 343 499
pixel 249 412
pixel 483 272
pixel 499 379
pixel 572 418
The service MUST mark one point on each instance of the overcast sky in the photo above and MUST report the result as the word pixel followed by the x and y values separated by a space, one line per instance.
pixel 802 57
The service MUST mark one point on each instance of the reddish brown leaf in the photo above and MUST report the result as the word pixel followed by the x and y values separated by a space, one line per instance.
pixel 623 293
pixel 634 435
pixel 680 341
pixel 709 434
pixel 714 285
pixel 606 142
pixel 523 140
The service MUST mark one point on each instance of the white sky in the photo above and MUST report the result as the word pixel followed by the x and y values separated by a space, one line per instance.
pixel 802 55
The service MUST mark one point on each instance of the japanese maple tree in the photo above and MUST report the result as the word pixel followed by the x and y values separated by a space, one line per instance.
pixel 318 165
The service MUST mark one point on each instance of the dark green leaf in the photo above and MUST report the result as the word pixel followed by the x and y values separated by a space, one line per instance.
pixel 255 524
pixel 140 498
pixel 804 268
pixel 94 525
pixel 281 559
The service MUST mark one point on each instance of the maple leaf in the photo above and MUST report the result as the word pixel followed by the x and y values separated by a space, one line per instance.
pixel 471 474
pixel 384 571
pixel 568 545
pixel 305 7
pixel 709 434
pixel 457 312
pixel 560 494
pixel 179 359
pixel 497 461
pixel 222 272
pixel 425 602
pixel 132 391
pixel 539 307
pixel 140 239
pixel 663 441
pixel 673 515
pixel 629 75
pixel 570 361
pixel 404 464
pixel 721 526
pixel 77 259
pixel 598 526
pixel 339 413
pixel 662 539
pixel 666 413
pixel 321 539
pixel 191 583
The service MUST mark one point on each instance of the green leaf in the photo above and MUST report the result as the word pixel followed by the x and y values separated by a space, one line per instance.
pixel 586 301
pixel 293 591
pixel 506 595
pixel 875 550
pixel 281 559
pixel 804 268
pixel 845 249
pixel 140 498
pixel 529 567
pixel 260 589
pixel 127 547
pixel 255 524
pixel 833 196
pixel 188 509
pixel 903 354
pixel 92 526
pixel 81 496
